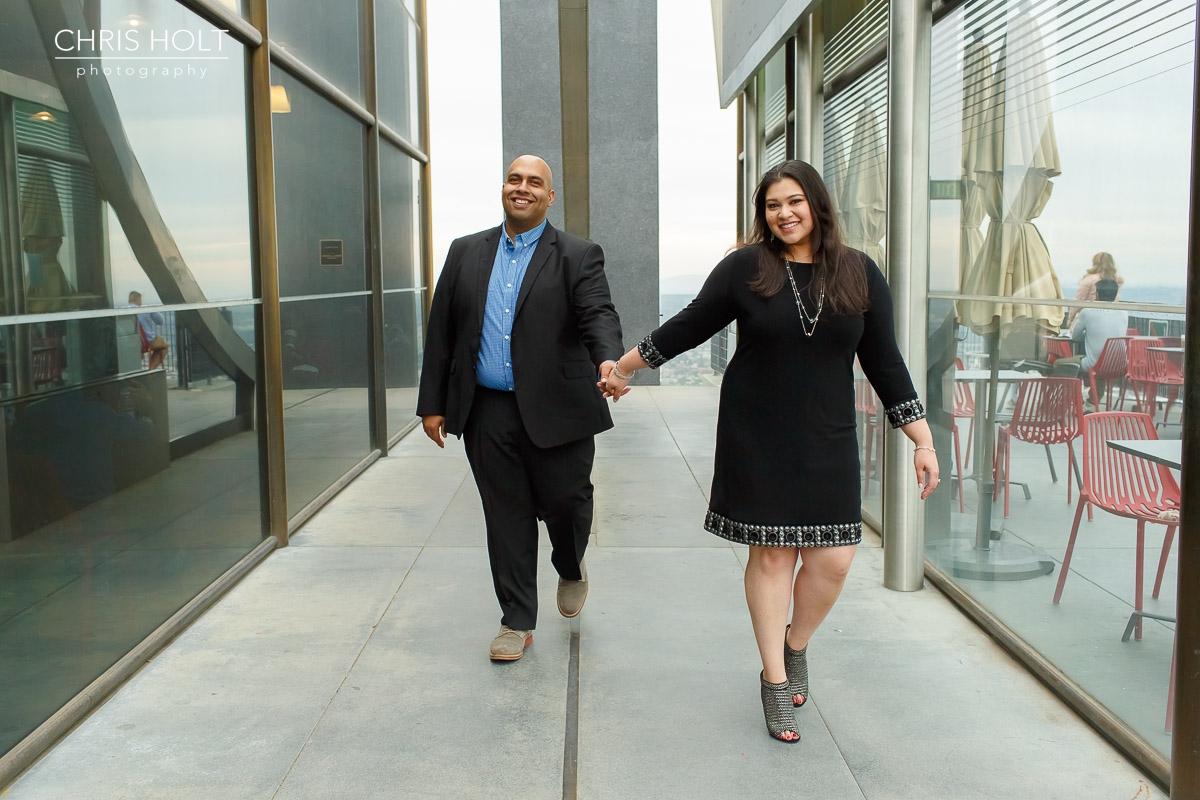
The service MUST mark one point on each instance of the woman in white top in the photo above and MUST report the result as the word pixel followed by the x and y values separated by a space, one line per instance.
pixel 1103 269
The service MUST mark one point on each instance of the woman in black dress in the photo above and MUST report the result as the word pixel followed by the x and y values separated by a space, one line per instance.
pixel 786 479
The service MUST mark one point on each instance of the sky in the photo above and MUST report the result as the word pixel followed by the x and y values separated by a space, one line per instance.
pixel 697 139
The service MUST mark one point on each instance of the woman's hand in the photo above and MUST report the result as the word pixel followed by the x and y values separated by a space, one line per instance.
pixel 609 384
pixel 926 465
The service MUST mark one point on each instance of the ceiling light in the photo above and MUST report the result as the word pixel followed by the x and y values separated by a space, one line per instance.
pixel 279 101
pixel 43 116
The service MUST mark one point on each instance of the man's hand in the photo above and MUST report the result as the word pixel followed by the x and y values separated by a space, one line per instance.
pixel 607 381
pixel 435 428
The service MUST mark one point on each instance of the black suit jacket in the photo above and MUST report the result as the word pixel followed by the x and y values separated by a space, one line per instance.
pixel 564 327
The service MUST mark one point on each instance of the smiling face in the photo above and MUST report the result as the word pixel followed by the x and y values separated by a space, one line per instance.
pixel 790 219
pixel 528 191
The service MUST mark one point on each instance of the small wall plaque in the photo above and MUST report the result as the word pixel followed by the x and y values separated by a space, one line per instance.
pixel 945 190
pixel 332 253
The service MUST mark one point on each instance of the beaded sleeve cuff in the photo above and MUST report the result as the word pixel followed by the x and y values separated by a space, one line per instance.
pixel 650 354
pixel 906 412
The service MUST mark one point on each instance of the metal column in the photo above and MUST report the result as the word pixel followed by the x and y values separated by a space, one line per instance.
pixel 802 81
pixel 909 32
pixel 269 395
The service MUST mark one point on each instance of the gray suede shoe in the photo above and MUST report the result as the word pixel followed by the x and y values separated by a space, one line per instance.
pixel 571 594
pixel 509 645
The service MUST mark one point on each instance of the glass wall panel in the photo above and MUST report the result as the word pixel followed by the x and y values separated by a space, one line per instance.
pixel 396 60
pixel 1059 145
pixel 325 398
pixel 319 200
pixel 403 337
pixel 399 177
pixel 113 518
pixel 325 36
pixel 321 236
pixel 855 170
pixel 403 344
pixel 772 83
pixel 128 462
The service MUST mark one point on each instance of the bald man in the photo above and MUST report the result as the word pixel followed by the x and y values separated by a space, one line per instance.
pixel 521 328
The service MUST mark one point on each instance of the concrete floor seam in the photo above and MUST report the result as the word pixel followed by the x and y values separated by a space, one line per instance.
pixel 571 736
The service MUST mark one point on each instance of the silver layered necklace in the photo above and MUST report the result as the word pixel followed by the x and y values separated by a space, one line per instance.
pixel 808 322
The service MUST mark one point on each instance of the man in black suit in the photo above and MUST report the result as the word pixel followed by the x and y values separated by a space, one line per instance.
pixel 520 324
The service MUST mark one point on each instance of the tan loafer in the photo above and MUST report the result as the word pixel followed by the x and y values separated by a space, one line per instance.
pixel 571 594
pixel 509 645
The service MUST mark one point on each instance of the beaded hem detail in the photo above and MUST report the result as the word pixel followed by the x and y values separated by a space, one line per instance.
pixel 831 535
pixel 650 354
pixel 906 412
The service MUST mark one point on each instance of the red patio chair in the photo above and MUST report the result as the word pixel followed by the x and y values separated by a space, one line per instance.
pixel 1048 411
pixel 1165 371
pixel 1137 374
pixel 1057 348
pixel 1126 486
pixel 46 362
pixel 1111 365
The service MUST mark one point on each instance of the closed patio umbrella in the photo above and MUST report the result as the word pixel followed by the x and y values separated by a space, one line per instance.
pixel 864 196
pixel 834 175
pixel 1016 159
pixel 979 86
pixel 1016 156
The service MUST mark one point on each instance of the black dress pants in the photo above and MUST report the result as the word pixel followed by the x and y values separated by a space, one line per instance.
pixel 519 484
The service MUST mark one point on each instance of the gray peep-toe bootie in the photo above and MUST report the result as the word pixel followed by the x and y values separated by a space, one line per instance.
pixel 796 664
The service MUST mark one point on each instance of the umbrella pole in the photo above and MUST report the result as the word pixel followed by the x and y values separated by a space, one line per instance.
pixel 985 447
pixel 984 559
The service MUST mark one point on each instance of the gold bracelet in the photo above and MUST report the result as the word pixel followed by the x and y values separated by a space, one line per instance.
pixel 924 447
pixel 618 372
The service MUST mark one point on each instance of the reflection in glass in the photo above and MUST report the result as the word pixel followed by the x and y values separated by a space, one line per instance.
pixel 325 36
pixel 1022 104
pixel 396 62
pixel 403 342
pixel 855 170
pixel 319 199
pixel 128 463
pixel 124 497
pixel 399 175
pixel 325 397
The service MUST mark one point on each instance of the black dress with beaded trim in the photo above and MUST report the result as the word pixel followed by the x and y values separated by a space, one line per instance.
pixel 786 464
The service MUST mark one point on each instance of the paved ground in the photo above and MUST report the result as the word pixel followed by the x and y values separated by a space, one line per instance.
pixel 353 665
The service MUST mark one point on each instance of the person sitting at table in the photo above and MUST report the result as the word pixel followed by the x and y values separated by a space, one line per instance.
pixel 1095 326
pixel 1103 269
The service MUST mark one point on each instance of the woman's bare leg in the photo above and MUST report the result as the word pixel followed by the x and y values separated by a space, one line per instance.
pixel 769 572
pixel 818 583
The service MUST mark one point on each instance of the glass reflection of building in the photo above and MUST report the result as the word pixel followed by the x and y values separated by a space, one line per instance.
pixel 1053 134
pixel 153 226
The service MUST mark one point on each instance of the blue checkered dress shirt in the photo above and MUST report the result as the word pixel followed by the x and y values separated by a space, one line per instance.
pixel 508 270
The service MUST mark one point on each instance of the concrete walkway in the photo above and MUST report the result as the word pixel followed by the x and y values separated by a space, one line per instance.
pixel 354 665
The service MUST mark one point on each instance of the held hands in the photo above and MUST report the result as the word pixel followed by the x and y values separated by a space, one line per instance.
pixel 609 384
pixel 926 465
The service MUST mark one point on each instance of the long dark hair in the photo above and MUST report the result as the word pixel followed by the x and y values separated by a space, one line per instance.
pixel 845 278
